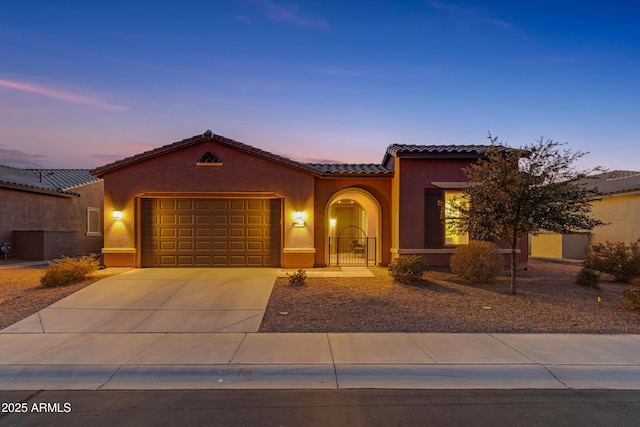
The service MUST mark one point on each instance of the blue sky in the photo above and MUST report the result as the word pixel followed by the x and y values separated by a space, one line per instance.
pixel 84 83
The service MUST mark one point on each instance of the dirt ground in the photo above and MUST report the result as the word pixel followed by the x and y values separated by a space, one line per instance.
pixel 548 301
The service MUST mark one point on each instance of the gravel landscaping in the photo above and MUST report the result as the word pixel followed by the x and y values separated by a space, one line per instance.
pixel 548 301
pixel 21 294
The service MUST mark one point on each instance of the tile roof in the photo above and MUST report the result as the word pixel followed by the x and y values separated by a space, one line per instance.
pixel 351 169
pixel 207 136
pixel 318 169
pixel 409 150
pixel 48 181
pixel 614 182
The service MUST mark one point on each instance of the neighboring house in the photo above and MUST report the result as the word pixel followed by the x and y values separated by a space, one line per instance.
pixel 617 205
pixel 48 213
pixel 211 201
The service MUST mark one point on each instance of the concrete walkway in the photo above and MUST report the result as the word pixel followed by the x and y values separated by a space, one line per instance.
pixel 160 300
pixel 112 361
pixel 157 329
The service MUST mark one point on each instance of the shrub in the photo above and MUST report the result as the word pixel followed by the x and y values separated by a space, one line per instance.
pixel 587 277
pixel 631 298
pixel 408 269
pixel 68 270
pixel 298 277
pixel 477 262
pixel 615 258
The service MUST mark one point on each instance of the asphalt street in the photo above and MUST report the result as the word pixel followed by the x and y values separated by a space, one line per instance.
pixel 609 408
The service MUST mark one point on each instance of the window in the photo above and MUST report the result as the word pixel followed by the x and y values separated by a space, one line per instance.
pixel 93 222
pixel 451 237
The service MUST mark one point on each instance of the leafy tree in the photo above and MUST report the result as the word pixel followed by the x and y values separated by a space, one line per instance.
pixel 514 192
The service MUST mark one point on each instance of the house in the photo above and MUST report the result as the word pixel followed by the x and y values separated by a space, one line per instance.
pixel 617 205
pixel 48 213
pixel 212 201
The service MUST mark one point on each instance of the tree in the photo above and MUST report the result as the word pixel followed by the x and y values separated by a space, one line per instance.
pixel 514 192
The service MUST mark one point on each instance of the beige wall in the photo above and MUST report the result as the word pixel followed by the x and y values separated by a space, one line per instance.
pixel 547 245
pixel 622 213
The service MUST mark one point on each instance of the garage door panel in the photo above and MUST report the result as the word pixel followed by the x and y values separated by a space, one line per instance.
pixel 220 232
pixel 220 219
pixel 203 246
pixel 255 219
pixel 167 246
pixel 203 232
pixel 237 246
pixel 237 205
pixel 256 233
pixel 237 233
pixel 203 219
pixel 168 232
pixel 221 246
pixel 211 232
pixel 167 219
pixel 237 220
pixel 220 205
pixel 186 233
pixel 186 246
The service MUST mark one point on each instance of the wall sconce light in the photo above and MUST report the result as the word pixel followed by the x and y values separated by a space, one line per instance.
pixel 298 219
pixel 117 215
pixel 333 222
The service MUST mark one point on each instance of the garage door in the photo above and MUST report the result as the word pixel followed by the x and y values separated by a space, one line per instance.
pixel 211 233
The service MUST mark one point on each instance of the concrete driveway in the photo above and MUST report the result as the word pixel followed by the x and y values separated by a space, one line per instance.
pixel 161 300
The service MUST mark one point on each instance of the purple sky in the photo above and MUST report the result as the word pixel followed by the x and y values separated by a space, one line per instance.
pixel 86 83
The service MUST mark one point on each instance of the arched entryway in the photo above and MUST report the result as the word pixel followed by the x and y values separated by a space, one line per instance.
pixel 353 220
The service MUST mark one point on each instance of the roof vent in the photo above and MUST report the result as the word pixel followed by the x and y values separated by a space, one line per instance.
pixel 208 159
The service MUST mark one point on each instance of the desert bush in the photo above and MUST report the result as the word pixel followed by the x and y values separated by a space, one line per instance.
pixel 408 269
pixel 617 259
pixel 631 298
pixel 477 262
pixel 67 270
pixel 587 277
pixel 298 277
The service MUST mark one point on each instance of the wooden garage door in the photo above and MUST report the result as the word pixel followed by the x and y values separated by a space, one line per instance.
pixel 211 233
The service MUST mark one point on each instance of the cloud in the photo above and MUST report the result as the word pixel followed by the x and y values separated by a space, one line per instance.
pixel 449 7
pixel 244 19
pixel 107 157
pixel 468 12
pixel 61 95
pixel 548 60
pixel 290 14
pixel 20 159
pixel 317 160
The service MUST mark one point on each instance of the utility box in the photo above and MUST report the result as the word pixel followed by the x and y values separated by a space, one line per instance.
pixel 40 245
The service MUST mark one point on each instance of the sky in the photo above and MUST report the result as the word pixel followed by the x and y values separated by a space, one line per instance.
pixel 86 83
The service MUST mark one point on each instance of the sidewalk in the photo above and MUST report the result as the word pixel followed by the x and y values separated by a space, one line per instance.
pixel 318 361
pixel 150 329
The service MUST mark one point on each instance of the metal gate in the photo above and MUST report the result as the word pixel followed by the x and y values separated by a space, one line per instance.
pixel 352 247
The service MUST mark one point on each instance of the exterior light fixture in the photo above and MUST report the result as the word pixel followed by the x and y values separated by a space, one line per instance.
pixel 117 215
pixel 298 219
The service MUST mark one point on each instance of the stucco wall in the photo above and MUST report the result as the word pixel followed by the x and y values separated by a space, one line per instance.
pixel 622 213
pixel 20 210
pixel 413 175
pixel 176 174
pixel 326 188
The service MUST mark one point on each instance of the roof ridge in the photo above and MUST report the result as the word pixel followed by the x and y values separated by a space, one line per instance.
pixel 206 136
